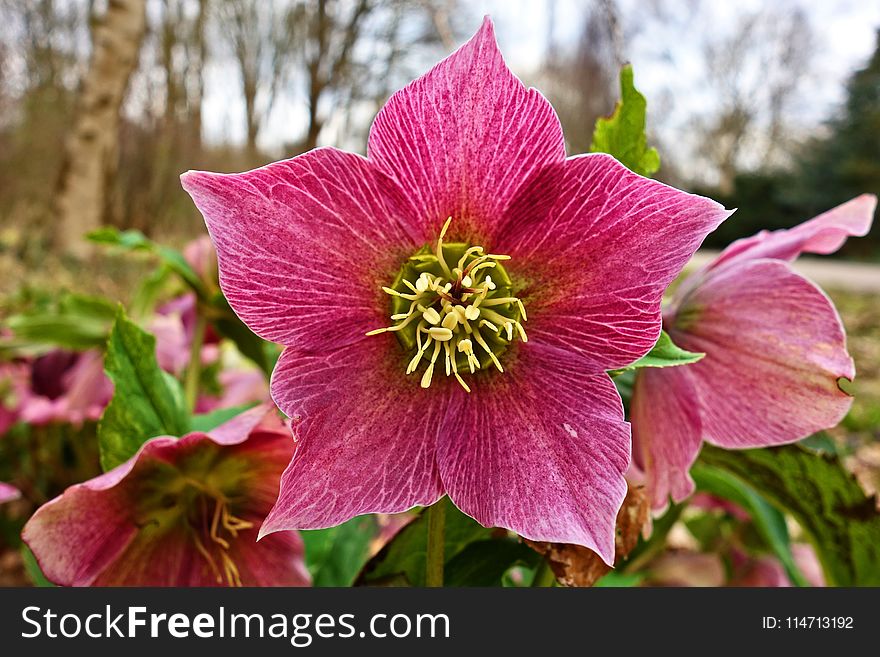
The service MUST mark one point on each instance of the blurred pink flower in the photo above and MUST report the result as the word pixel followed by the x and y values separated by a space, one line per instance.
pixel 240 386
pixel 775 349
pixel 181 512
pixel 8 493
pixel 65 386
pixel 539 445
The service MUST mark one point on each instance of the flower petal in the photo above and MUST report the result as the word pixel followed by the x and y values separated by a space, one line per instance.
pixel 541 450
pixel 666 432
pixel 463 138
pixel 822 234
pixel 366 435
pixel 8 493
pixel 598 245
pixel 304 245
pixel 775 349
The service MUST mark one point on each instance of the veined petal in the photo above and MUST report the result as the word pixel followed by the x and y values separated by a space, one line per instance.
pixel 540 450
pixel 775 349
pixel 463 138
pixel 598 246
pixel 822 234
pixel 304 245
pixel 366 441
pixel 665 415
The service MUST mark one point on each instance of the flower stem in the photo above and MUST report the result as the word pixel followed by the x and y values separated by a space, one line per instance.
pixel 194 367
pixel 435 556
pixel 544 575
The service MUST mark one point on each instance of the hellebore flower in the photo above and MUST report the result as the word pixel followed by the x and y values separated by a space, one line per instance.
pixel 65 387
pixel 464 216
pixel 181 512
pixel 775 351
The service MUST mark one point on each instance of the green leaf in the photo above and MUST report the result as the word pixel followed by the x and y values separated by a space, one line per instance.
pixel 336 555
pixel 402 561
pixel 664 353
pixel 147 402
pixel 134 240
pixel 839 519
pixel 623 133
pixel 32 568
pixel 483 563
pixel 78 322
pixel 615 579
pixel 768 521
pixel 204 422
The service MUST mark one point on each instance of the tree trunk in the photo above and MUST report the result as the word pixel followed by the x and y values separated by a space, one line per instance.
pixel 91 151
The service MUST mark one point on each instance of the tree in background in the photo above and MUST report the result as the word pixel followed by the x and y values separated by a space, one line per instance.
pixel 826 171
pixel 845 161
pixel 581 82
pixel 91 151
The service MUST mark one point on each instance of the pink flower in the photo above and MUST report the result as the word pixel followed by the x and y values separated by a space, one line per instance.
pixel 466 167
pixel 65 387
pixel 775 350
pixel 8 493
pixel 240 386
pixel 181 512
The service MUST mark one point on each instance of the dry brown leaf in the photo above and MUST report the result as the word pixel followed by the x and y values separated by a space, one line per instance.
pixel 575 565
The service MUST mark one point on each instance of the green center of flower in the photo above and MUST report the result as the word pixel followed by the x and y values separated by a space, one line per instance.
pixel 173 503
pixel 456 301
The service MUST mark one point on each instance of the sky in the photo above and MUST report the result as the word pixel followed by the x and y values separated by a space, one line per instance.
pixel 665 56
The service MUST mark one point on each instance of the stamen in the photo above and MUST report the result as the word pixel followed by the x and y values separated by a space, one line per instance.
pixel 449 307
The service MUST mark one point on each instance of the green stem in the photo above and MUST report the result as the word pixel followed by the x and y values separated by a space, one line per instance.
pixel 194 367
pixel 544 575
pixel 645 552
pixel 435 557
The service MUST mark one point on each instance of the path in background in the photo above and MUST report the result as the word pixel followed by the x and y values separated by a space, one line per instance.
pixel 827 273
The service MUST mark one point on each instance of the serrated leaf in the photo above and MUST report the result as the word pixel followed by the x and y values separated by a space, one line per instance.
pixel 664 353
pixel 768 521
pixel 134 240
pixel 147 402
pixel 623 133
pixel 335 556
pixel 841 521
pixel 402 561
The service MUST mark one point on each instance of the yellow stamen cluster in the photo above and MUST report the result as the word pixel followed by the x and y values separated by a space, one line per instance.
pixel 452 308
pixel 222 520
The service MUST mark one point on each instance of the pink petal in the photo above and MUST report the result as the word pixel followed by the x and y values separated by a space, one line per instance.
pixel 775 349
pixel 8 493
pixel 305 245
pixel 462 139
pixel 366 435
pixel 598 246
pixel 666 432
pixel 541 450
pixel 823 234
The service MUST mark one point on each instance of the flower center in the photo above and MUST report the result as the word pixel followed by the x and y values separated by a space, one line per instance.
pixel 467 312
pixel 203 513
